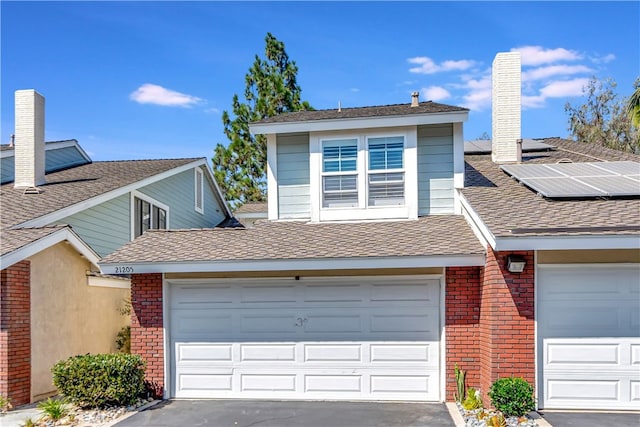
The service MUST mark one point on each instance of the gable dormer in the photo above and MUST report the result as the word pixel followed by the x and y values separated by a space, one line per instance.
pixel 370 163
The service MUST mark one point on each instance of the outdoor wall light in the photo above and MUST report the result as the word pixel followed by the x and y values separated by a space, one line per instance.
pixel 515 263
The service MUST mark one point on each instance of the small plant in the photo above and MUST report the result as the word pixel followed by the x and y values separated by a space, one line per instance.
pixel 512 396
pixel 473 400
pixel 497 420
pixel 5 404
pixel 28 423
pixel 460 386
pixel 123 340
pixel 100 380
pixel 54 409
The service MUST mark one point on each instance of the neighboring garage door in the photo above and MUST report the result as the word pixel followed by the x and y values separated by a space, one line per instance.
pixel 589 336
pixel 359 338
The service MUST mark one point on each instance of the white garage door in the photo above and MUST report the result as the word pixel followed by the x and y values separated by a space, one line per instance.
pixel 589 336
pixel 332 338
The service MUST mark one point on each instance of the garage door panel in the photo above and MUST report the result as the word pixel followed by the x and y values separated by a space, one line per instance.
pixel 588 336
pixel 330 338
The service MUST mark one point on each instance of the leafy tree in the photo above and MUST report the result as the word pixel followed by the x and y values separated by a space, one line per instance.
pixel 633 106
pixel 271 89
pixel 603 119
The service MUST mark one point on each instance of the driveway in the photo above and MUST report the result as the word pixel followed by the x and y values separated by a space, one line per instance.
pixel 591 419
pixel 246 413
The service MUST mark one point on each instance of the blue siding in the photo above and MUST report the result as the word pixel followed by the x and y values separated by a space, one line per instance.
pixel 178 193
pixel 55 159
pixel 7 171
pixel 293 176
pixel 435 170
pixel 105 227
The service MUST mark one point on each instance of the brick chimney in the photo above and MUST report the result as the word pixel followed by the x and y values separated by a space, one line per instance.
pixel 506 105
pixel 29 139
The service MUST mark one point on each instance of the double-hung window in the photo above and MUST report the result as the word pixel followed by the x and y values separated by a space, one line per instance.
pixel 148 216
pixel 385 175
pixel 340 173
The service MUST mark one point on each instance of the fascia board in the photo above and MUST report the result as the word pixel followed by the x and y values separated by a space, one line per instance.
pixel 612 241
pixel 296 264
pixel 47 241
pixel 475 222
pixel 358 123
pixel 94 201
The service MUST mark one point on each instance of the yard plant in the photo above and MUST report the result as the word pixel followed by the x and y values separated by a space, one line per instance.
pixel 54 409
pixel 512 396
pixel 100 380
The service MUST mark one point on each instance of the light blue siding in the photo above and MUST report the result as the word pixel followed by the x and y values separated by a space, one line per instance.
pixel 55 159
pixel 7 169
pixel 104 227
pixel 293 176
pixel 435 170
pixel 62 158
pixel 178 193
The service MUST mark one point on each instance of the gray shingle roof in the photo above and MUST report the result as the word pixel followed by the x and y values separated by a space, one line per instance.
pixel 252 208
pixel 362 112
pixel 68 187
pixel 510 209
pixel 15 239
pixel 427 236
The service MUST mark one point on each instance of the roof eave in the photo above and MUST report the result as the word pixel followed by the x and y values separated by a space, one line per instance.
pixel 350 263
pixel 359 122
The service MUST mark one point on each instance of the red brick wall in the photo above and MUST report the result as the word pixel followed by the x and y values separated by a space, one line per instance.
pixel 146 327
pixel 15 333
pixel 507 333
pixel 462 319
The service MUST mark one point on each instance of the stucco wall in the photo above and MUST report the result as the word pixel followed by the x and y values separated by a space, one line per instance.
pixel 68 317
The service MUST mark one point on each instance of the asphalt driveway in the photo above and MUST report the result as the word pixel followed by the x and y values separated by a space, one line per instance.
pixel 591 419
pixel 246 413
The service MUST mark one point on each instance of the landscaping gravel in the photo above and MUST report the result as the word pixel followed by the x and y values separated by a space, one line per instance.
pixel 472 419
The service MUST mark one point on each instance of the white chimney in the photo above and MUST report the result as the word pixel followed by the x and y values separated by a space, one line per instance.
pixel 415 99
pixel 505 111
pixel 29 139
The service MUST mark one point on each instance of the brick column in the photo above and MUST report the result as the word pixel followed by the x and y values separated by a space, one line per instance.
pixel 15 333
pixel 462 323
pixel 146 327
pixel 507 332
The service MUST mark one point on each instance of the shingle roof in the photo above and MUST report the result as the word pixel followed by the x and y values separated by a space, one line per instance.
pixel 427 236
pixel 362 112
pixel 68 187
pixel 13 240
pixel 508 208
pixel 252 208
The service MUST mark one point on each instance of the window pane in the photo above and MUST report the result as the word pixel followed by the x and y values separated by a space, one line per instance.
pixel 142 216
pixel 339 191
pixel 159 218
pixel 386 189
pixel 340 156
pixel 386 153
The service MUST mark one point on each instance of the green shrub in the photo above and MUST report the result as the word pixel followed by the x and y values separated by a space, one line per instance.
pixel 512 396
pixel 460 384
pixel 5 404
pixel 100 380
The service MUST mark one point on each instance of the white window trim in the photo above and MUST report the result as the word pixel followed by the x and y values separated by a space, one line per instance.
pixel 154 202
pixel 363 212
pixel 200 209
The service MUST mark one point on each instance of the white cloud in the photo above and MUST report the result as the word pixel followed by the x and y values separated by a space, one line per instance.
pixel 212 110
pixel 553 70
pixel 153 94
pixel 561 89
pixel 537 55
pixel 426 65
pixel 435 93
pixel 603 59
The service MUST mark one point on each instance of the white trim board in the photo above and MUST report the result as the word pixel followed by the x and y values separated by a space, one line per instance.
pixel 294 265
pixel 94 201
pixel 47 241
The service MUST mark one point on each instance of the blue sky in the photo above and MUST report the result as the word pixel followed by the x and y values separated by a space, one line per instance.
pixel 133 80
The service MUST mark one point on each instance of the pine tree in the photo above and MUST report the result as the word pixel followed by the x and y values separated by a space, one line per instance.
pixel 271 89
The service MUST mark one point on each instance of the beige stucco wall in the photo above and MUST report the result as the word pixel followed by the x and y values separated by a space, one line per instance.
pixel 307 273
pixel 589 256
pixel 68 317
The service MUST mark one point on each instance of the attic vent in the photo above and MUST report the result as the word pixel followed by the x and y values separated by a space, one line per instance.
pixel 31 190
pixel 199 186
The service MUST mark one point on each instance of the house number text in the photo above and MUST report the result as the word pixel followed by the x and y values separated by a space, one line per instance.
pixel 123 270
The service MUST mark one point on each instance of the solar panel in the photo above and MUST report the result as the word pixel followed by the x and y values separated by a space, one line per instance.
pixel 573 180
pixel 483 146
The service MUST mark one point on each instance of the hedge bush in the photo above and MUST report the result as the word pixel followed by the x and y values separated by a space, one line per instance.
pixel 100 380
pixel 512 396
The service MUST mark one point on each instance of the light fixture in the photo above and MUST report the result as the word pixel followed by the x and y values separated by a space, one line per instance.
pixel 515 263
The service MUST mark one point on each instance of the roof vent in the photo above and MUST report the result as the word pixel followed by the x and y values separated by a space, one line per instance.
pixel 415 101
pixel 31 190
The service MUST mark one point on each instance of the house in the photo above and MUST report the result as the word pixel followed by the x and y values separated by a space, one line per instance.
pixel 61 212
pixel 389 256
pixel 250 212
